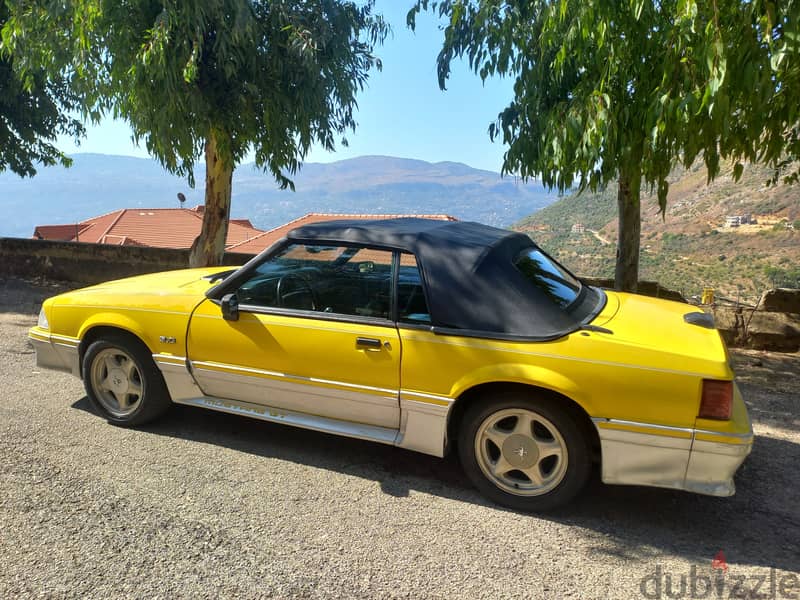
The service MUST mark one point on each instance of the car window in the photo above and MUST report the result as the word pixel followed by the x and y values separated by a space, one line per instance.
pixel 324 278
pixel 548 276
pixel 411 304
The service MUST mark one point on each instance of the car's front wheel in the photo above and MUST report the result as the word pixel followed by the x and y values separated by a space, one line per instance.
pixel 525 453
pixel 122 382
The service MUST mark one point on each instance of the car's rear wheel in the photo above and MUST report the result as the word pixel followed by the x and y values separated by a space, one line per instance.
pixel 525 453
pixel 122 382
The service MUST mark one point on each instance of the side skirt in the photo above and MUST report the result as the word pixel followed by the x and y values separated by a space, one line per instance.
pixel 359 431
pixel 423 417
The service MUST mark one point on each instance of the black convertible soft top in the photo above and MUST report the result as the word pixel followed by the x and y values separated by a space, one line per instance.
pixel 471 282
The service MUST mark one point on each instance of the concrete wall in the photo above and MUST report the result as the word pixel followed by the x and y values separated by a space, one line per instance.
pixel 94 263
pixel 90 263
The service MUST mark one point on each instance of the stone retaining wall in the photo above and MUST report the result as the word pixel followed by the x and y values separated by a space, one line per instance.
pixel 90 263
pixel 774 324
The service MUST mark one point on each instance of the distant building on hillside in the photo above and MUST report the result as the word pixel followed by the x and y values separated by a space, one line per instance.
pixel 153 227
pixel 733 221
pixel 578 228
pixel 736 220
pixel 178 228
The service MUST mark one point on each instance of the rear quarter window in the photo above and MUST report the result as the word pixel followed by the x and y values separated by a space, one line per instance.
pixel 548 276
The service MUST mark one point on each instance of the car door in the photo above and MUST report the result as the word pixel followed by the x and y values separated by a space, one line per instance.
pixel 314 335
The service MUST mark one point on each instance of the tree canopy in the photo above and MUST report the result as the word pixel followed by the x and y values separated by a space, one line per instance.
pixel 212 78
pixel 34 110
pixel 625 90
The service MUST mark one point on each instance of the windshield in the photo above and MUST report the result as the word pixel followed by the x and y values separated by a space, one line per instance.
pixel 550 277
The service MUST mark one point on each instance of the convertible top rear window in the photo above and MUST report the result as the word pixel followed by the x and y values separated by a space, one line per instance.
pixel 550 277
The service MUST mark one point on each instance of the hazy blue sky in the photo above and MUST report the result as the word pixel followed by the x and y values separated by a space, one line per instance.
pixel 402 112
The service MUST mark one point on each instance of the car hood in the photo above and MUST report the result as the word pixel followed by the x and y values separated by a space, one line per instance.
pixel 169 290
pixel 660 325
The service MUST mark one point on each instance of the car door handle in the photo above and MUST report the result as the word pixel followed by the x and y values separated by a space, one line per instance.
pixel 368 343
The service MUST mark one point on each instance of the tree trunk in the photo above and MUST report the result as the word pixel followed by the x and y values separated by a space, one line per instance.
pixel 209 247
pixel 626 276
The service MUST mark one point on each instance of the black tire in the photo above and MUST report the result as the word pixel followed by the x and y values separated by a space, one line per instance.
pixel 122 382
pixel 490 424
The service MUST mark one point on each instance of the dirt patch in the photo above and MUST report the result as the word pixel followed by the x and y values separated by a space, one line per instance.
pixel 771 371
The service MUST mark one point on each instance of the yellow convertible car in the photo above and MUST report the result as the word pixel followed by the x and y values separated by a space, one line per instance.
pixel 426 335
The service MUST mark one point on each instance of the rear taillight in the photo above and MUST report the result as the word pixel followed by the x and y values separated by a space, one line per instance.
pixel 717 400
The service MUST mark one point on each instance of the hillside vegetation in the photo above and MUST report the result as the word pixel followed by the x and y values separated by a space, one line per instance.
pixel 690 247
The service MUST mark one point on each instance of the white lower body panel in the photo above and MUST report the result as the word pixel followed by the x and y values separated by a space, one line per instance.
pixel 669 457
pixel 279 415
pixel 56 352
pixel 421 425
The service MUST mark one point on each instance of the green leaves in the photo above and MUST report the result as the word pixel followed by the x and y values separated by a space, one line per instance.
pixel 626 90
pixel 274 77
pixel 34 110
pixel 678 79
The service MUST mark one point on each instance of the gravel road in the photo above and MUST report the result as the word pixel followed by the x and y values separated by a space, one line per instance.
pixel 203 504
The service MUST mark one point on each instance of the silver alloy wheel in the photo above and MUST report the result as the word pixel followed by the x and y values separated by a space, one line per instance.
pixel 521 452
pixel 117 382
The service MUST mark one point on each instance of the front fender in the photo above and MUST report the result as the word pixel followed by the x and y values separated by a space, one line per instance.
pixel 527 375
pixel 149 333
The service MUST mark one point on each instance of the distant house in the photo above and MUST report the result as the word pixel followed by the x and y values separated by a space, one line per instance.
pixel 266 239
pixel 578 228
pixel 733 220
pixel 178 227
pixel 154 227
pixel 736 220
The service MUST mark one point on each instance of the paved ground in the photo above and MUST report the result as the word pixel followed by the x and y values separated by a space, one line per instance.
pixel 209 505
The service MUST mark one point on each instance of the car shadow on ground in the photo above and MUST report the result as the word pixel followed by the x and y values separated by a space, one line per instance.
pixel 759 526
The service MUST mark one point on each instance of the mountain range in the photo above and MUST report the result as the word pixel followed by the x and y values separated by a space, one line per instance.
pixel 98 183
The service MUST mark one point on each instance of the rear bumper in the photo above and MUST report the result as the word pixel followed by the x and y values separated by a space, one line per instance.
pixel 712 466
pixel 671 457
pixel 55 352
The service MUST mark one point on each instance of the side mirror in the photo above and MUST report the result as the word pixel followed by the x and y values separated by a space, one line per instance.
pixel 230 307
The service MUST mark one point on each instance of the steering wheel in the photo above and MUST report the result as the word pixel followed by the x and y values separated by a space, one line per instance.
pixel 301 287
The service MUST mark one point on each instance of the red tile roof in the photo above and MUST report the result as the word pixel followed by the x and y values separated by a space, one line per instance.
pixel 157 227
pixel 178 227
pixel 266 239
pixel 58 232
